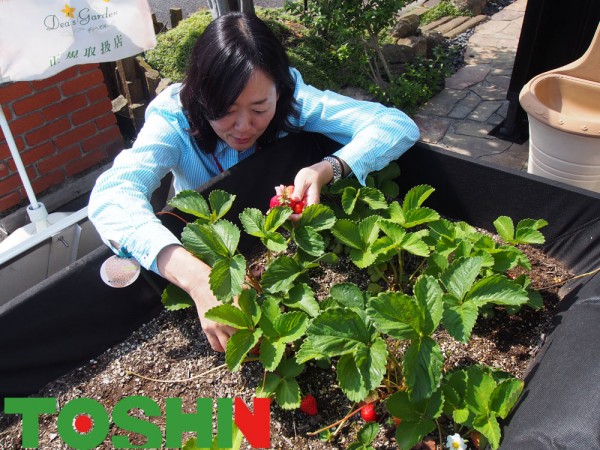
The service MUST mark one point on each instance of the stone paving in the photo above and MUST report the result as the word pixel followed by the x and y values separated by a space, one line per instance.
pixel 473 102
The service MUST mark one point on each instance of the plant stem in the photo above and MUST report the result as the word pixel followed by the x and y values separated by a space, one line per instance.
pixel 558 283
pixel 160 213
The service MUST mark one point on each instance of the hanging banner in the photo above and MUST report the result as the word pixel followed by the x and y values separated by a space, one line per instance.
pixel 39 38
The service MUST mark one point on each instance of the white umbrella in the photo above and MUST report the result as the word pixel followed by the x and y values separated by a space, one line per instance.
pixel 40 39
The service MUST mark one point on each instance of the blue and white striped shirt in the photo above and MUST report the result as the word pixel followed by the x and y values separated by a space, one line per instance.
pixel 372 136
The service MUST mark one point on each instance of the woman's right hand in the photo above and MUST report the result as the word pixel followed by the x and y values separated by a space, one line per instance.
pixel 183 269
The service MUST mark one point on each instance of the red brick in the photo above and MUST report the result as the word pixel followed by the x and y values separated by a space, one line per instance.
pixel 82 83
pixel 66 74
pixel 91 112
pixel 10 200
pixel 86 162
pixel 48 131
pixel 37 101
pixel 75 135
pixel 3 170
pixel 101 139
pixel 5 150
pixel 26 123
pixel 85 68
pixel 13 91
pixel 65 107
pixel 106 121
pixel 59 160
pixel 98 92
pixel 14 182
pixel 47 181
pixel 33 155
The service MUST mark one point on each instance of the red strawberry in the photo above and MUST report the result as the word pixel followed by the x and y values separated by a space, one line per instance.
pixel 283 197
pixel 308 405
pixel 368 413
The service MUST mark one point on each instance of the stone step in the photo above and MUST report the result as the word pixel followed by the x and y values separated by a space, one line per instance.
pixel 472 22
pixel 436 23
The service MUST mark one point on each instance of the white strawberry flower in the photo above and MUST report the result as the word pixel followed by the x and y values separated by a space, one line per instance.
pixel 455 442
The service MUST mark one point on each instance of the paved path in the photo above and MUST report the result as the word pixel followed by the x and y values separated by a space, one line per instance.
pixel 473 101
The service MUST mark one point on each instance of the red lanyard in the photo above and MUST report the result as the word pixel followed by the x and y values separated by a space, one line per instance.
pixel 217 163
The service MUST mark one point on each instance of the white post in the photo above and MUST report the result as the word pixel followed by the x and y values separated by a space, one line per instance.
pixel 36 210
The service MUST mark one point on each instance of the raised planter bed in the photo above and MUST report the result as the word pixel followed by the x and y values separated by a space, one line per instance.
pixel 72 317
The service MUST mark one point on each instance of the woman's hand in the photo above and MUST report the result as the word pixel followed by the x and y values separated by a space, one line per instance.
pixel 310 180
pixel 183 269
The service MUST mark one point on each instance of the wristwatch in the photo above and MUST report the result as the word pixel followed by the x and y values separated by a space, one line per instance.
pixel 336 165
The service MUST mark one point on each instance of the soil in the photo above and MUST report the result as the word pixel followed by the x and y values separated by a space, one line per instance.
pixel 170 357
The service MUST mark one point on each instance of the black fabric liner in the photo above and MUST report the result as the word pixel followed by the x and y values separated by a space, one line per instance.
pixel 72 317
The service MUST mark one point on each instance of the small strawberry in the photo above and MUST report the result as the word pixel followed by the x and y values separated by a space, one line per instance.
pixel 308 405
pixel 368 413
pixel 283 197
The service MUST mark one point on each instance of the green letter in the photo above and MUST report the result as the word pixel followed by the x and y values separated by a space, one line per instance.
pixel 30 410
pixel 177 422
pixel 67 423
pixel 224 422
pixel 124 421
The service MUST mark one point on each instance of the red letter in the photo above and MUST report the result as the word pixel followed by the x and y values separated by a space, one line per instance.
pixel 256 427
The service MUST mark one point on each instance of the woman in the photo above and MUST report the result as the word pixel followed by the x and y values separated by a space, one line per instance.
pixel 239 95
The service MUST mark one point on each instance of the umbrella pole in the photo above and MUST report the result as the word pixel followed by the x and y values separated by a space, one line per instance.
pixel 37 211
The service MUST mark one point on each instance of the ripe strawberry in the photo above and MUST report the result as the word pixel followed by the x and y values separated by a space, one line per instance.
pixel 368 412
pixel 308 405
pixel 283 197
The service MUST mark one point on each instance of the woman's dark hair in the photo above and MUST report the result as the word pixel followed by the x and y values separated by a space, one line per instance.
pixel 221 63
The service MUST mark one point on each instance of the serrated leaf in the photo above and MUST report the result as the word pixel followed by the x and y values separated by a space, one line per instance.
pixel 226 278
pixel 348 233
pixel 309 240
pixel 348 294
pixel 191 202
pixel 417 418
pixel 460 275
pixel 289 368
pixel 274 241
pixel 276 217
pixel 497 289
pixel 429 296
pixel 526 232
pixel 302 297
pixel 238 346
pixel 374 198
pixel 203 242
pixel 247 303
pixel 415 197
pixel 395 314
pixel 174 298
pixel 271 353
pixel 220 202
pixel 480 387
pixel 288 394
pixel 291 326
pixel 408 434
pixel 422 368
pixel 390 189
pixel 229 234
pixel 368 433
pixel 413 243
pixel 281 274
pixel 419 216
pixel 505 396
pixel 230 315
pixel 253 221
pixel 350 379
pixel 371 362
pixel 319 217
pixel 269 386
pixel 349 199
pixel 459 318
pixel 490 428
pixel 505 228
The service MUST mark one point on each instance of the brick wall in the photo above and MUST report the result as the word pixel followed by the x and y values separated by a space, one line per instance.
pixel 62 126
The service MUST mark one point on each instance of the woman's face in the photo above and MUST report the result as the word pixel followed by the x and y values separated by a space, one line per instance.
pixel 250 115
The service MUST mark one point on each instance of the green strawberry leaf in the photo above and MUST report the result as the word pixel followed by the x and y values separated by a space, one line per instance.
pixel 505 396
pixel 374 198
pixel 174 298
pixel 348 294
pixel 415 197
pixel 490 428
pixel 497 289
pixel 227 277
pixel 302 297
pixel 309 240
pixel 350 379
pixel 248 305
pixel 274 241
pixel 349 199
pixel 238 346
pixel 289 368
pixel 269 386
pixel 395 314
pixel 281 274
pixel 422 370
pixel 319 217
pixel 276 217
pixel 253 221
pixel 429 297
pixel 271 353
pixel 220 203
pixel 230 315
pixel 527 231
pixel 505 228
pixel 460 276
pixel 459 318
pixel 191 202
pixel 288 394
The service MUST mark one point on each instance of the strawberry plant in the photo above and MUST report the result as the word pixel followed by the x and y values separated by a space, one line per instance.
pixel 426 273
